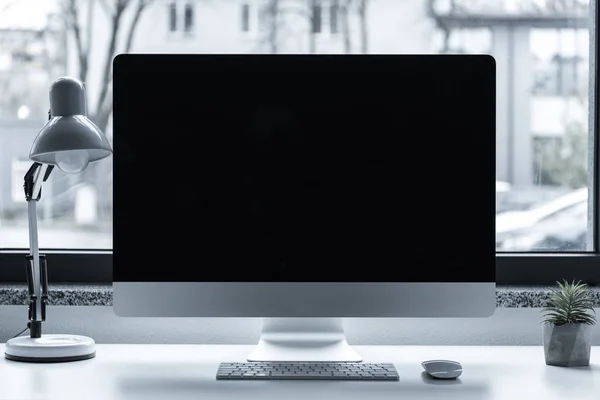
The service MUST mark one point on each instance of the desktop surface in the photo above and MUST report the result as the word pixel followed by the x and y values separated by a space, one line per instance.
pixel 178 372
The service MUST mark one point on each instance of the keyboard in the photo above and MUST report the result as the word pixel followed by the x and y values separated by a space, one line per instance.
pixel 333 371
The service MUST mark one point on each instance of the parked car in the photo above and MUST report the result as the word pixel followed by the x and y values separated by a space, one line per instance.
pixel 557 225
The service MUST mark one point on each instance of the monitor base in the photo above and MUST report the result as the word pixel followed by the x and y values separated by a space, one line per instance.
pixel 303 339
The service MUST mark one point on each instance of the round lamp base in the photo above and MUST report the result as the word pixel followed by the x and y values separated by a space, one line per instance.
pixel 50 348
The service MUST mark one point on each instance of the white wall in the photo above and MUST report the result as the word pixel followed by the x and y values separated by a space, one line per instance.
pixel 508 326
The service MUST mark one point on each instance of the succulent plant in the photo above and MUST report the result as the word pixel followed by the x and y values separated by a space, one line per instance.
pixel 572 303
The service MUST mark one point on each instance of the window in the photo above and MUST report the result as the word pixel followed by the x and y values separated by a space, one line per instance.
pixel 181 16
pixel 173 17
pixel 547 219
pixel 560 68
pixel 333 16
pixel 259 16
pixel 245 17
pixel 316 17
pixel 189 18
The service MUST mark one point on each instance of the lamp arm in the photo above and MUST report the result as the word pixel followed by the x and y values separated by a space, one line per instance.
pixel 36 272
pixel 32 184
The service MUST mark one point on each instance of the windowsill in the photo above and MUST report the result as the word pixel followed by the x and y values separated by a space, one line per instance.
pixel 101 295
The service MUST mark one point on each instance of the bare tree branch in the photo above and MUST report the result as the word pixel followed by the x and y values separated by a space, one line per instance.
pixel 345 22
pixel 83 33
pixel 362 14
pixel 120 6
pixel 102 115
pixel 90 26
pixel 273 12
pixel 71 10
pixel 141 6
pixel 446 30
pixel 107 9
pixel 7 5
pixel 312 40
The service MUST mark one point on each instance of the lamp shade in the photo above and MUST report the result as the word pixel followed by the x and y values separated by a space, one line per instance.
pixel 69 139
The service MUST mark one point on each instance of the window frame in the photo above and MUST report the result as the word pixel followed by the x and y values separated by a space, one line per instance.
pixel 543 269
pixel 512 269
pixel 64 266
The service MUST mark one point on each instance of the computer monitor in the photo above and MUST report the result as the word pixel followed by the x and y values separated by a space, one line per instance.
pixel 304 189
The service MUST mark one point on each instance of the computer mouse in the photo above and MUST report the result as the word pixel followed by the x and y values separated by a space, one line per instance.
pixel 442 369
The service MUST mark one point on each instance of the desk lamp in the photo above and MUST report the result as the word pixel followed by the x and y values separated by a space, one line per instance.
pixel 70 141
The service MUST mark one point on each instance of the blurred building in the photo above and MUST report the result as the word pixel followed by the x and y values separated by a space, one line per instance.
pixel 542 52
pixel 541 49
pixel 30 55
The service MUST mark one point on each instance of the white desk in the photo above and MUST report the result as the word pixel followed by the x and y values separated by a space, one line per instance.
pixel 172 372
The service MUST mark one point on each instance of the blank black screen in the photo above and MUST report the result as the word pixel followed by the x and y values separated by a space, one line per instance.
pixel 304 168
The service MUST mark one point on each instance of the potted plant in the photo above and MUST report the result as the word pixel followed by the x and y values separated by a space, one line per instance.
pixel 568 319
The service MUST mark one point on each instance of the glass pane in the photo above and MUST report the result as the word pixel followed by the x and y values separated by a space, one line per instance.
pixel 245 17
pixel 189 17
pixel 316 19
pixel 333 16
pixel 172 17
pixel 541 47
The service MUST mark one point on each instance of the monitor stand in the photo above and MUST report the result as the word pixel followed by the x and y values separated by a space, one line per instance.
pixel 303 339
